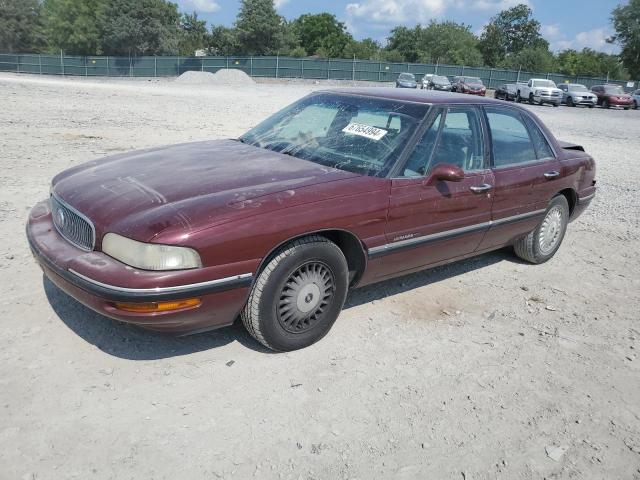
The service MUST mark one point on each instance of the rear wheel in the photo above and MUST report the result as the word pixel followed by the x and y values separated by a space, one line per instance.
pixel 542 243
pixel 606 104
pixel 531 99
pixel 298 295
pixel 518 98
pixel 570 102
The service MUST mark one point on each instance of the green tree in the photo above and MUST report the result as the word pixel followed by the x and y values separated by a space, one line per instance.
pixel 73 25
pixel 322 33
pixel 223 41
pixel 451 43
pixel 259 28
pixel 20 27
pixel 588 62
pixel 140 27
pixel 366 49
pixel 532 59
pixel 405 41
pixel 193 33
pixel 509 32
pixel 626 22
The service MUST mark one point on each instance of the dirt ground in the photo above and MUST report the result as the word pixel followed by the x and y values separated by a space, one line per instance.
pixel 487 368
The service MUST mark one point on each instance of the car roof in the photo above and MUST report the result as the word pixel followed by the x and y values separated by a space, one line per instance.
pixel 418 96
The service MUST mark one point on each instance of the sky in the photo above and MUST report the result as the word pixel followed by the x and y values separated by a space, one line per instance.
pixel 565 23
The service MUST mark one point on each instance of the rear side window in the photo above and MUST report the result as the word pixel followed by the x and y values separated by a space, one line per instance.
pixel 510 138
pixel 543 149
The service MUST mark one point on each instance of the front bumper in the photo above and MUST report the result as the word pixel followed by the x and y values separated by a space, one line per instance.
pixel 479 93
pixel 620 102
pixel 544 98
pixel 99 281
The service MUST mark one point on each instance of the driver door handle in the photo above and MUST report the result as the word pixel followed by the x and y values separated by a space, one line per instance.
pixel 551 175
pixel 485 187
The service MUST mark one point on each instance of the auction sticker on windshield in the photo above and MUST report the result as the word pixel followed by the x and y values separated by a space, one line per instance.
pixel 366 131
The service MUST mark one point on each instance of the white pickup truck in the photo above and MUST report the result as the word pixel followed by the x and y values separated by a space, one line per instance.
pixel 539 90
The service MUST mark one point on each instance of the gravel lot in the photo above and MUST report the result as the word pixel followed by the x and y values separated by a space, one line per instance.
pixel 488 368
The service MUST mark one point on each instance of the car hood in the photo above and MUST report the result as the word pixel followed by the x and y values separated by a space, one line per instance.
pixel 140 194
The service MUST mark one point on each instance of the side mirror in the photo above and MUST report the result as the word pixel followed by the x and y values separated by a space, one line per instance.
pixel 445 172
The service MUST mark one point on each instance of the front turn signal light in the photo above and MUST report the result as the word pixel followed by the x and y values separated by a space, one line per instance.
pixel 154 307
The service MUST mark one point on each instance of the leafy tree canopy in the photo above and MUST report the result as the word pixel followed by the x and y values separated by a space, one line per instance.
pixel 259 27
pixel 20 28
pixel 626 22
pixel 509 32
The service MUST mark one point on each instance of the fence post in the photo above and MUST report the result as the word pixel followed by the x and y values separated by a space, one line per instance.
pixel 62 62
pixel 130 72
pixel 18 65
pixel 277 65
pixel 490 77
pixel 86 69
pixel 251 66
pixel 462 74
pixel 379 71
pixel 437 62
pixel 108 72
pixel 155 65
pixel 302 66
pixel 40 62
pixel 518 78
pixel 353 68
pixel 201 65
pixel 227 58
pixel 328 68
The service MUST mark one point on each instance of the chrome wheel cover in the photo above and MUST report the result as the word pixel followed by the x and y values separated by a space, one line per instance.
pixel 550 230
pixel 306 294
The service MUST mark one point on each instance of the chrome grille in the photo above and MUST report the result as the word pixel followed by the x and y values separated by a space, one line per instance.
pixel 72 225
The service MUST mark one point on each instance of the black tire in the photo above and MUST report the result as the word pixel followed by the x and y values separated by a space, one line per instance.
pixel 531 248
pixel 570 102
pixel 555 104
pixel 518 98
pixel 531 101
pixel 271 314
pixel 591 106
pixel 635 105
pixel 606 104
pixel 626 108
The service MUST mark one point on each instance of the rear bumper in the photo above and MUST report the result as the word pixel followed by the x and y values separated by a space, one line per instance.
pixel 80 274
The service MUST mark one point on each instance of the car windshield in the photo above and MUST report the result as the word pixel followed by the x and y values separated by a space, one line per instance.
pixel 440 79
pixel 348 132
pixel 407 76
pixel 614 89
pixel 473 80
pixel 544 83
pixel 578 88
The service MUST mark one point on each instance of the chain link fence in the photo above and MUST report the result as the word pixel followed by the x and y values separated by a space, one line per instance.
pixel 273 67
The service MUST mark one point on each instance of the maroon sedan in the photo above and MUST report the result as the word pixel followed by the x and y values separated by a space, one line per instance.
pixel 612 96
pixel 343 188
pixel 468 85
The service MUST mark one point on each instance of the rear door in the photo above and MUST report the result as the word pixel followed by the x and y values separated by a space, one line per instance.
pixel 432 222
pixel 526 172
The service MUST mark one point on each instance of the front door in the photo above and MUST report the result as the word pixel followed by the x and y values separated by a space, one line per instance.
pixel 433 221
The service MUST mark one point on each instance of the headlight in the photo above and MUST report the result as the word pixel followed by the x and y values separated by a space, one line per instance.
pixel 149 256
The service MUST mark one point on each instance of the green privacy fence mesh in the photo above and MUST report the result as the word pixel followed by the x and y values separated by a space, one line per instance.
pixel 275 67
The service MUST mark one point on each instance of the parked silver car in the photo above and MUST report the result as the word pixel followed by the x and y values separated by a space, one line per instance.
pixel 574 94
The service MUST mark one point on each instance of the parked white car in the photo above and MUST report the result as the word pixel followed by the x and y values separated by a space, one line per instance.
pixel 539 90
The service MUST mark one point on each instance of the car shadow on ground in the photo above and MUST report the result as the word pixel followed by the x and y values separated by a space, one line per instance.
pixel 133 343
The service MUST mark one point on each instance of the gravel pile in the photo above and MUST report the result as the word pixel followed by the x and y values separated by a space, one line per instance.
pixel 221 77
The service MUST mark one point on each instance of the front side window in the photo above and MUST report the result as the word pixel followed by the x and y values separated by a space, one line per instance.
pixel 349 132
pixel 510 138
pixel 455 137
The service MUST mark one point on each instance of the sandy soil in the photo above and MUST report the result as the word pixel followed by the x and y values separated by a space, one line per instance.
pixel 488 368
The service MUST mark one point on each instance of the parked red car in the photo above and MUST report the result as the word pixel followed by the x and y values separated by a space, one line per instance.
pixel 612 96
pixel 468 85
pixel 343 188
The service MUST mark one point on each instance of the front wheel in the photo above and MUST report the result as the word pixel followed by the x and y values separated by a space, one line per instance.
pixel 542 243
pixel 606 104
pixel 570 102
pixel 298 296
pixel 531 101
